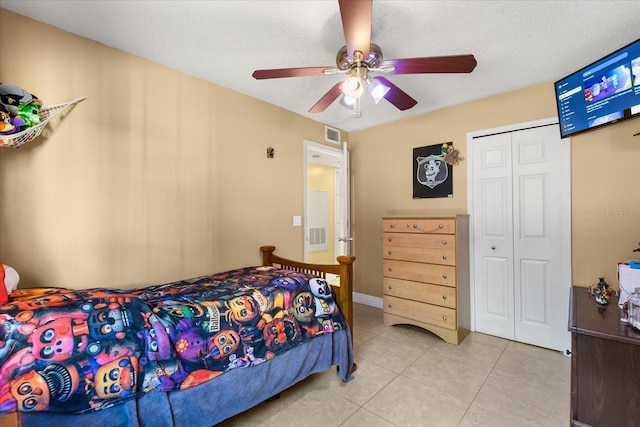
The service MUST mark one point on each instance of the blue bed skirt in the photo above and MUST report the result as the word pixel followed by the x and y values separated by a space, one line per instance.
pixel 221 398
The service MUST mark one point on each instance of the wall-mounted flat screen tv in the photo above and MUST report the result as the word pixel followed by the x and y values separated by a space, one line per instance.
pixel 602 93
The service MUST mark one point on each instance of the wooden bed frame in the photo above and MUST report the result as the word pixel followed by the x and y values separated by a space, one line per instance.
pixel 344 292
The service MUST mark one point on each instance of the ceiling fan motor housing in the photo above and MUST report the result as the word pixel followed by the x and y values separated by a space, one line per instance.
pixel 344 62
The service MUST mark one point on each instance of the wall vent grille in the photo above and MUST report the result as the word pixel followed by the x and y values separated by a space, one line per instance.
pixel 332 135
pixel 317 236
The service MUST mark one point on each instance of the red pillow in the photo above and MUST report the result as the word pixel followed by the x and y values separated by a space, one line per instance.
pixel 4 298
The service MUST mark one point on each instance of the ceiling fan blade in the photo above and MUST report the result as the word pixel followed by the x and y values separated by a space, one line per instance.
pixel 277 73
pixel 397 96
pixel 327 99
pixel 356 22
pixel 433 64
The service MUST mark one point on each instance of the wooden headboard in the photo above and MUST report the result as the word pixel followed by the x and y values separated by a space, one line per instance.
pixel 344 268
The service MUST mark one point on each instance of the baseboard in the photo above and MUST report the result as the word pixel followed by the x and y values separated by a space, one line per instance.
pixel 367 300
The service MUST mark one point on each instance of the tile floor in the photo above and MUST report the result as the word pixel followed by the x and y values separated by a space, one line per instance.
pixel 409 377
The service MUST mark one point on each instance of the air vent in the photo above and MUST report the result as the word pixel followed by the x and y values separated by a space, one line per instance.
pixel 317 236
pixel 332 135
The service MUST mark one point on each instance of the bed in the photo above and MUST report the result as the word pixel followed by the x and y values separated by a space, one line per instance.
pixel 188 353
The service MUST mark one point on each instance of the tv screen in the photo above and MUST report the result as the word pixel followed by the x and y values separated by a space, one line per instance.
pixel 602 93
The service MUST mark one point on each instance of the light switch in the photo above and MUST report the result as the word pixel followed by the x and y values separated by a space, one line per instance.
pixel 297 221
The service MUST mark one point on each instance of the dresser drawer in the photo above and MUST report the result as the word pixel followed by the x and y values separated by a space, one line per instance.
pixel 431 256
pixel 423 225
pixel 432 294
pixel 429 241
pixel 433 314
pixel 429 273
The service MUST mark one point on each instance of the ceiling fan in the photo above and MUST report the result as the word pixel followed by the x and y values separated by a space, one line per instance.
pixel 360 59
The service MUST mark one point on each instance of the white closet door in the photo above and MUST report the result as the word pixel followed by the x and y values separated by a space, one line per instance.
pixel 541 313
pixel 521 203
pixel 493 236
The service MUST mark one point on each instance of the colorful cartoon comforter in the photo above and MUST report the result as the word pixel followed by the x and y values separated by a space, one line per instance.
pixel 78 351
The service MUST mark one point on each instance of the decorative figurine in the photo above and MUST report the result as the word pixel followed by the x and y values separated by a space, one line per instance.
pixel 601 291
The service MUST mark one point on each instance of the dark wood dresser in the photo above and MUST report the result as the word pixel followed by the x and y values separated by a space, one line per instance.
pixel 605 364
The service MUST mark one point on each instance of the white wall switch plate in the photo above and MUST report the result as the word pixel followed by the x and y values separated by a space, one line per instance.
pixel 297 221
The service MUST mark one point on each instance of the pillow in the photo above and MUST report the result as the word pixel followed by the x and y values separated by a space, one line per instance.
pixel 9 278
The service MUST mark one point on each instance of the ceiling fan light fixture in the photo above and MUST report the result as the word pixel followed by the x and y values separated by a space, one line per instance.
pixel 353 86
pixel 377 90
pixel 351 104
pixel 348 102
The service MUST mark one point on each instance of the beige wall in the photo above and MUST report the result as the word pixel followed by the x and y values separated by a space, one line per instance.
pixel 156 176
pixel 161 176
pixel 605 178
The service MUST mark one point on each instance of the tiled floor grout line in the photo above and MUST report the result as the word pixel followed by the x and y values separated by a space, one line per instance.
pixel 482 385
pixel 374 335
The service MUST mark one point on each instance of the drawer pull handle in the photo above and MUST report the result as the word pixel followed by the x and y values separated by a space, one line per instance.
pixel 444 276
pixel 389 252
pixel 390 269
pixel 389 305
pixel 390 287
pixel 389 239
pixel 444 318
pixel 444 297
pixel 417 227
pixel 392 226
pixel 444 257
pixel 444 242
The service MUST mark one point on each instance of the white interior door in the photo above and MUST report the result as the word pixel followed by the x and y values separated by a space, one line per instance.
pixel 343 196
pixel 521 237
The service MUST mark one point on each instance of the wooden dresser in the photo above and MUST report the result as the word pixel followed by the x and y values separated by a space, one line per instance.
pixel 426 274
pixel 605 364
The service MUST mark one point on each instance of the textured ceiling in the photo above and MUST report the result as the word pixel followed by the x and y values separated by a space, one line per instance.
pixel 516 43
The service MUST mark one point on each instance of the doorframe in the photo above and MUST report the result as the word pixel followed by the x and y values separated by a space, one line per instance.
pixel 337 151
pixel 566 207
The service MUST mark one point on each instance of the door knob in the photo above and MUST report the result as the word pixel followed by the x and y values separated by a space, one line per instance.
pixel 493 248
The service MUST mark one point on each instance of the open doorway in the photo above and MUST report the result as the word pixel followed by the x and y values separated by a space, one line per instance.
pixel 326 203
